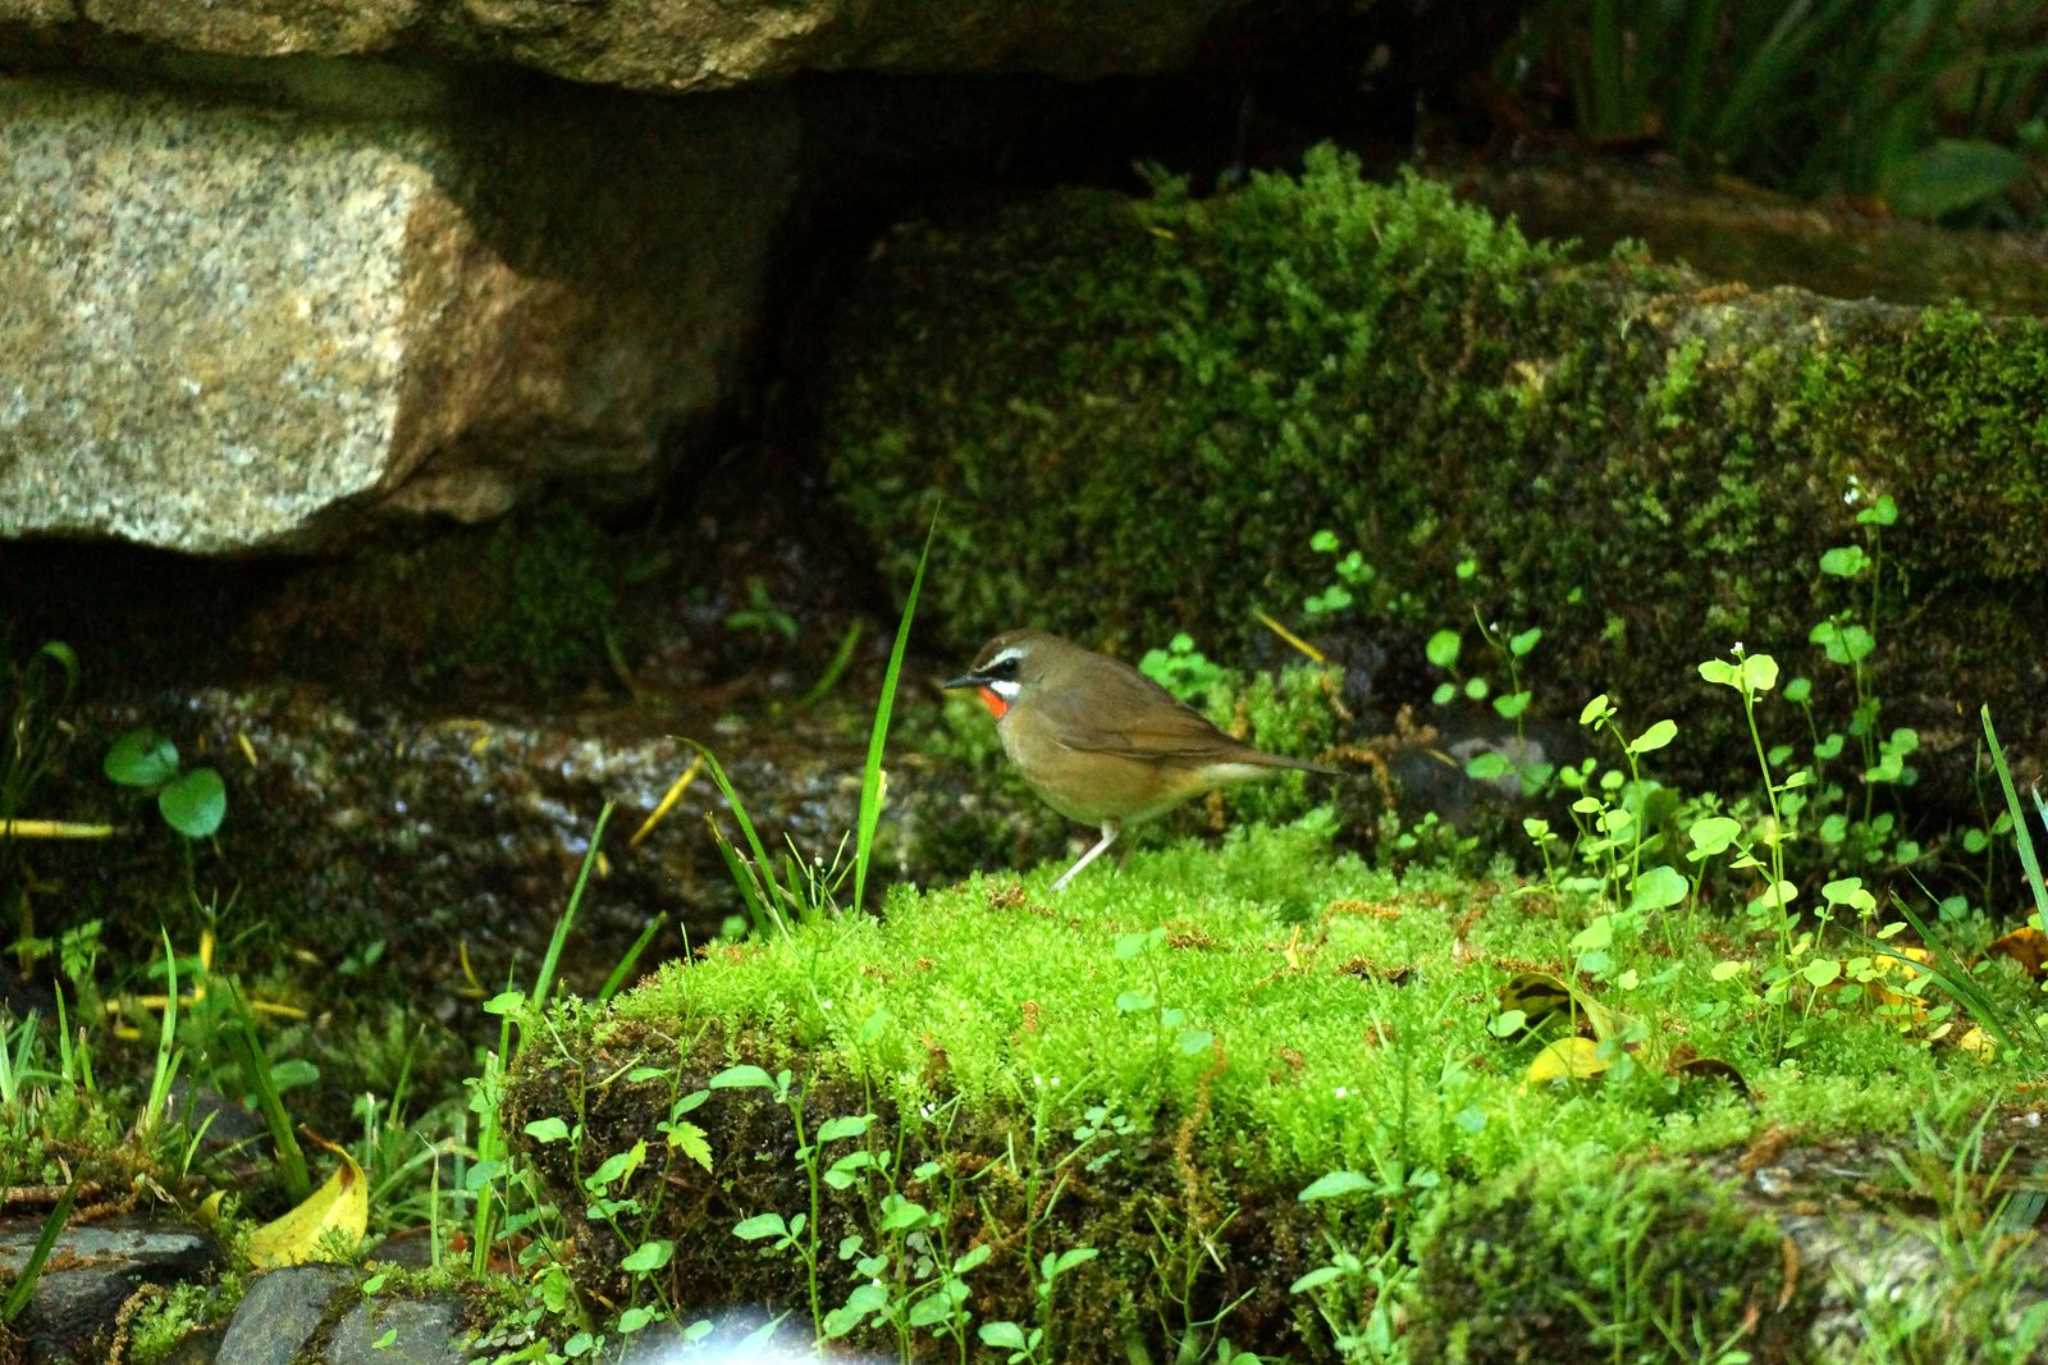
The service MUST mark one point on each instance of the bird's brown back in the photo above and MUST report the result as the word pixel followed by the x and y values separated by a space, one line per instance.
pixel 1125 713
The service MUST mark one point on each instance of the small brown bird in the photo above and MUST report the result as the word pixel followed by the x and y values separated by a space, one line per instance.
pixel 1099 741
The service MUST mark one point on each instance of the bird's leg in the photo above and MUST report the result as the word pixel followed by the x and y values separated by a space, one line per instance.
pixel 1109 832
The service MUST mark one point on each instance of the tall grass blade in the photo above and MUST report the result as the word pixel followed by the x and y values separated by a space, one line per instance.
pixel 760 913
pixel 1695 62
pixel 1953 977
pixel 624 969
pixel 545 982
pixel 257 1076
pixel 871 776
pixel 738 807
pixel 2025 841
pixel 14 1060
pixel 1609 70
pixel 166 1068
pixel 835 668
pixel 492 1153
pixel 24 1286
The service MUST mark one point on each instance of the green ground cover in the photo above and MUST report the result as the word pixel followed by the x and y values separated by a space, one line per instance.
pixel 1215 1072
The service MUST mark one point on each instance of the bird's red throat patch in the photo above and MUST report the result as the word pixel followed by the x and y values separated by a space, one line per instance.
pixel 994 702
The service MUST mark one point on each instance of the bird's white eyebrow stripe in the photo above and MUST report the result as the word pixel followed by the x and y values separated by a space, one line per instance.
pixel 1003 657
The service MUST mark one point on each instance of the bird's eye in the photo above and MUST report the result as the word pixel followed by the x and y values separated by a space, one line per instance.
pixel 1005 669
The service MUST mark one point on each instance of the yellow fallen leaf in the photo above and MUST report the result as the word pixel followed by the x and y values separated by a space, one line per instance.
pixel 2027 946
pixel 209 1209
pixel 1567 1059
pixel 342 1204
pixel 1888 971
pixel 1542 994
pixel 1979 1044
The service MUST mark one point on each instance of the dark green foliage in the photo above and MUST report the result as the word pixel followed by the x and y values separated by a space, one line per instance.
pixel 1204 362
pixel 1584 1261
pixel 1143 413
pixel 1920 101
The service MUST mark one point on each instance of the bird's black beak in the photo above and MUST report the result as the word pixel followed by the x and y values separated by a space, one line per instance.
pixel 965 680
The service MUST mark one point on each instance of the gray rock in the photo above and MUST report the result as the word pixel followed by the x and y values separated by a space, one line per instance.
pixel 425 830
pixel 232 324
pixel 97 1266
pixel 413 1332
pixel 1875 1260
pixel 282 1312
pixel 669 45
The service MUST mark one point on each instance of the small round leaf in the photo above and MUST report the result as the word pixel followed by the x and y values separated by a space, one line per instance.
pixel 141 758
pixel 195 804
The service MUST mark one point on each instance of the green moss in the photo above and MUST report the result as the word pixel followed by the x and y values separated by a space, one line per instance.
pixel 1954 411
pixel 552 575
pixel 1580 1260
pixel 1324 1016
pixel 162 1322
pixel 527 600
pixel 1645 466
pixel 67 1132
pixel 1218 349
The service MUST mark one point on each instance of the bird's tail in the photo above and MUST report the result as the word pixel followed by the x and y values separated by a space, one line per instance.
pixel 1299 764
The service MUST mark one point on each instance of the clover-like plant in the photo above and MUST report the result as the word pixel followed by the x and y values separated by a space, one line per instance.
pixel 192 801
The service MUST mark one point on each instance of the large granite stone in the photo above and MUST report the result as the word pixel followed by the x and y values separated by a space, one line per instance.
pixel 669 44
pixel 231 323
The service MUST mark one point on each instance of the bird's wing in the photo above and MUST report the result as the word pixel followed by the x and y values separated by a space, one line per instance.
pixel 1129 715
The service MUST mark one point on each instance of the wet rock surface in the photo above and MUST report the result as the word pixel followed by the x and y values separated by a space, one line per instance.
pixel 434 832
pixel 93 1270
pixel 1742 232
pixel 1885 1231
pixel 282 1312
pixel 408 1331
pixel 320 1312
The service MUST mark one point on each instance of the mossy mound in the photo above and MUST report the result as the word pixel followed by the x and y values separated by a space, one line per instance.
pixel 1154 1066
pixel 1580 1259
pixel 1140 413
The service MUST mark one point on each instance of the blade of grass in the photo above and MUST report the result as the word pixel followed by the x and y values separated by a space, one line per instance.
pixel 545 982
pixel 732 799
pixel 759 913
pixel 2025 841
pixel 24 1286
pixel 835 669
pixel 492 1152
pixel 631 958
pixel 871 775
pixel 166 1068
pixel 1952 977
pixel 14 1059
pixel 256 1075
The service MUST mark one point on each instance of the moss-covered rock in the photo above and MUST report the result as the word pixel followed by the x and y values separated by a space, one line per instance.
pixel 1584 1260
pixel 1140 413
pixel 1155 1066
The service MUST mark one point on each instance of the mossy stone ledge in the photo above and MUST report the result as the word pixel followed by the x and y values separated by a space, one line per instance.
pixel 1138 412
pixel 1155 1065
